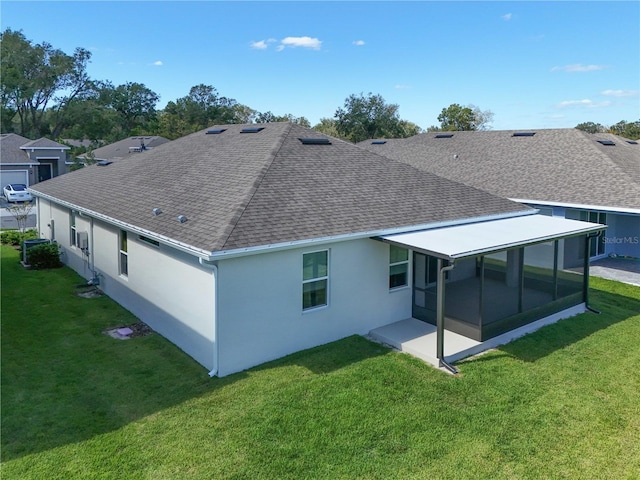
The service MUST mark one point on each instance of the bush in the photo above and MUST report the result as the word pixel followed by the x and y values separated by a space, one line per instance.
pixel 43 256
pixel 16 237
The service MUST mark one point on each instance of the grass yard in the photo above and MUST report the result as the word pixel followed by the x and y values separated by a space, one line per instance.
pixel 76 404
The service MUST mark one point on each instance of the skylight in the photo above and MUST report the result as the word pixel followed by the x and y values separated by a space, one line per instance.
pixel 524 134
pixel 378 142
pixel 215 131
pixel 444 135
pixel 103 163
pixel 606 142
pixel 632 142
pixel 315 141
pixel 252 130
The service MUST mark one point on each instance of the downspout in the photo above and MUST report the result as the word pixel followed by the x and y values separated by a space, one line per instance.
pixel 440 288
pixel 214 270
pixel 585 271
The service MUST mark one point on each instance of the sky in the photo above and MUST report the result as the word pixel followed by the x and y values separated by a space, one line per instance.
pixel 533 64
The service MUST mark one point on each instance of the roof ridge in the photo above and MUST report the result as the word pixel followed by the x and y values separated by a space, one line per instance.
pixel 256 186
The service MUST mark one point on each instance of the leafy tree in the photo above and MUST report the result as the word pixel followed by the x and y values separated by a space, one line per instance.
pixel 591 127
pixel 268 117
pixel 32 76
pixel 327 126
pixel 630 130
pixel 364 117
pixel 458 118
pixel 21 212
pixel 134 102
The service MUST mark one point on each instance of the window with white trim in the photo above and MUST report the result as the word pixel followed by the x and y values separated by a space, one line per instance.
pixel 73 240
pixel 124 255
pixel 315 279
pixel 398 267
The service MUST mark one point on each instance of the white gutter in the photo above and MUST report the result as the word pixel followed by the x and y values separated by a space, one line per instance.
pixel 578 206
pixel 216 354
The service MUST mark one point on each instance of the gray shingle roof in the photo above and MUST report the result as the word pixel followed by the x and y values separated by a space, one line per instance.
pixel 44 143
pixel 126 147
pixel 554 165
pixel 243 190
pixel 10 152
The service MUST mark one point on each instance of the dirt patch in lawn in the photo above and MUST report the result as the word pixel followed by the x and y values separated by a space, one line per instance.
pixel 125 332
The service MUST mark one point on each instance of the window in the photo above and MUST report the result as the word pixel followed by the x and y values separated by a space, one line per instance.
pixel 72 229
pixel 315 279
pixel 124 256
pixel 398 266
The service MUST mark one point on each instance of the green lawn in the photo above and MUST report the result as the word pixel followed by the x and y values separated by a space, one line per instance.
pixel 76 404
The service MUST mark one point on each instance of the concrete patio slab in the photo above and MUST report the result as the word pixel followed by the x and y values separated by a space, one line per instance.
pixel 418 338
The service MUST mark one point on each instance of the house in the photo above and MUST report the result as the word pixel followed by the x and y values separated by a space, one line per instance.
pixel 126 147
pixel 245 243
pixel 563 172
pixel 30 161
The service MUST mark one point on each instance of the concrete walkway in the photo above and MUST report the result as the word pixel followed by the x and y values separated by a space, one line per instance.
pixel 626 270
pixel 418 338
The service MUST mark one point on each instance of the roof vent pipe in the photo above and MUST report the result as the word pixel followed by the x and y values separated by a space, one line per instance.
pixel 156 211
pixel 182 218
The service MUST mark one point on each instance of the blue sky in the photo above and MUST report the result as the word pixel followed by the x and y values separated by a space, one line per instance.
pixel 533 64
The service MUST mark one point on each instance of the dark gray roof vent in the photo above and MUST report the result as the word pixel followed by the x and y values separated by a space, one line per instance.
pixel 444 135
pixel 523 134
pixel 182 218
pixel 632 142
pixel 103 163
pixel 156 211
pixel 315 141
pixel 215 131
pixel 252 130
pixel 378 142
pixel 606 142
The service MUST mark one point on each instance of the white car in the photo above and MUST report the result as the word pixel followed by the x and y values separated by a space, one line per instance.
pixel 16 192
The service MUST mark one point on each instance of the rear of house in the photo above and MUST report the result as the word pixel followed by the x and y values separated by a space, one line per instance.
pixel 285 240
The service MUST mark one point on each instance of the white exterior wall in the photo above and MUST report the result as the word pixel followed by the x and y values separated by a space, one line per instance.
pixel 260 302
pixel 165 288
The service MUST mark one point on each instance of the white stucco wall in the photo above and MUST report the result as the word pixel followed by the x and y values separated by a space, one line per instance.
pixel 260 302
pixel 165 288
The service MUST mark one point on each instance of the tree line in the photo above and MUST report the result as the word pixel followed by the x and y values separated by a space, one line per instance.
pixel 46 92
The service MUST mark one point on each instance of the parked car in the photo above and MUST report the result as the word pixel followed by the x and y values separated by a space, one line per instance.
pixel 16 192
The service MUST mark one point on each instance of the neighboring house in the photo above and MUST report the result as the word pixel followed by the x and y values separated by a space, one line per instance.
pixel 126 147
pixel 30 161
pixel 563 172
pixel 245 243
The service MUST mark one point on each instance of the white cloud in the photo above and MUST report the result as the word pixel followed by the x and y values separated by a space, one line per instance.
pixel 359 43
pixel 304 42
pixel 260 45
pixel 157 63
pixel 583 103
pixel 578 67
pixel 620 93
pixel 507 16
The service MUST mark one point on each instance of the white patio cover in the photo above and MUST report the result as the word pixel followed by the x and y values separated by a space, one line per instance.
pixel 470 240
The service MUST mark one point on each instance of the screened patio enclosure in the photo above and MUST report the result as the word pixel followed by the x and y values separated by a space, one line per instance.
pixel 496 275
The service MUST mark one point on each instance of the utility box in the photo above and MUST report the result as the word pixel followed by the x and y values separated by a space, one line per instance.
pixel 83 240
pixel 27 244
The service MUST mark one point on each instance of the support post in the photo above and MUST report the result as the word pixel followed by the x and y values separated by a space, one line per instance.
pixel 585 270
pixel 440 293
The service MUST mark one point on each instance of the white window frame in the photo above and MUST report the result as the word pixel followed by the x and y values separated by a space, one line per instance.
pixel 316 279
pixel 73 238
pixel 123 255
pixel 394 264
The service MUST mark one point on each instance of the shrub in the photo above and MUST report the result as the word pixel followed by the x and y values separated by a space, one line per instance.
pixel 43 256
pixel 16 237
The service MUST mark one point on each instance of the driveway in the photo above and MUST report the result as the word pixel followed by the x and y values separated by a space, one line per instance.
pixel 7 220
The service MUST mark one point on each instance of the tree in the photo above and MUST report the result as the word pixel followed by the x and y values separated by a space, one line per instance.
pixel 134 102
pixel 327 126
pixel 590 127
pixel 364 117
pixel 458 118
pixel 21 212
pixel 630 130
pixel 32 76
pixel 268 117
